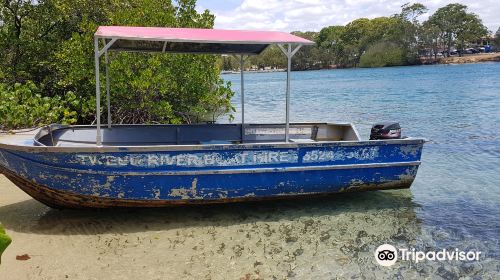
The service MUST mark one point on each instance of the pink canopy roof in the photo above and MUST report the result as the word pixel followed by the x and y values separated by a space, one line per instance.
pixel 199 35
pixel 194 40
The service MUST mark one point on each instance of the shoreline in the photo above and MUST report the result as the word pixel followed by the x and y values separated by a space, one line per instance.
pixel 474 58
pixel 467 59
pixel 324 238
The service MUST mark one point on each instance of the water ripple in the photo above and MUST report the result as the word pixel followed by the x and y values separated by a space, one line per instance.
pixel 456 107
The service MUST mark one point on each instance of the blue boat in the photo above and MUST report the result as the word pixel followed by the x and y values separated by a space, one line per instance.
pixel 100 166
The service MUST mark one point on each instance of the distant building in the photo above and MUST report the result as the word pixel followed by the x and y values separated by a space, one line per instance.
pixel 484 41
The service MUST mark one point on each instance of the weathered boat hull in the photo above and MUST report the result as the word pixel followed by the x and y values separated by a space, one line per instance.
pixel 63 199
pixel 153 177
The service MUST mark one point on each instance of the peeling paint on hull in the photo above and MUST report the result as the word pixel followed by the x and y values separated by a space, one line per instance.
pixel 61 199
pixel 58 180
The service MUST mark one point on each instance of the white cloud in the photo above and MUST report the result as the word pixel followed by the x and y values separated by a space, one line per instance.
pixel 312 15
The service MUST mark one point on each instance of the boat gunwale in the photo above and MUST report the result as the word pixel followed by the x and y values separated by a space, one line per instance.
pixel 199 147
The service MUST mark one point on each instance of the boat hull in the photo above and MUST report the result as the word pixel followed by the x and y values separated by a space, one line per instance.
pixel 155 177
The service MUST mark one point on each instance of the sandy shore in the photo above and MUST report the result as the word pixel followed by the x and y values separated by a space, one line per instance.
pixel 280 239
pixel 326 238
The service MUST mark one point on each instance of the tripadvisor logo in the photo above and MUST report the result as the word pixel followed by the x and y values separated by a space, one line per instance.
pixel 387 255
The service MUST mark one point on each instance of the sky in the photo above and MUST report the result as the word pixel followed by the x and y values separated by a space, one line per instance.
pixel 312 15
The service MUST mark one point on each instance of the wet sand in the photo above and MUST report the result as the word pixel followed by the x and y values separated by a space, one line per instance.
pixel 323 238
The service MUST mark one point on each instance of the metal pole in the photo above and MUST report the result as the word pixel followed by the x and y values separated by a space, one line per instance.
pixel 97 93
pixel 289 66
pixel 242 84
pixel 108 100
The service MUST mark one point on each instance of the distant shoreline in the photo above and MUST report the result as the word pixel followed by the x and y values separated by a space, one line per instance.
pixel 474 58
pixel 253 71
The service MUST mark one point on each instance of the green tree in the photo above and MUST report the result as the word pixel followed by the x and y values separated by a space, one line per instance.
pixel 347 44
pixel 496 40
pixel 307 57
pixel 330 40
pixel 4 241
pixel 431 38
pixel 412 29
pixel 383 54
pixel 355 38
pixel 272 56
pixel 226 63
pixel 50 42
pixel 471 30
pixel 457 25
pixel 22 106
pixel 411 12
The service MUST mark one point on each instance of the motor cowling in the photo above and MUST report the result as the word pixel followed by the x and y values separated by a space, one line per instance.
pixel 385 130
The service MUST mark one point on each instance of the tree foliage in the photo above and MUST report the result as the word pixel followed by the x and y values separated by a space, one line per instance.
pixel 5 241
pixel 347 44
pixel 329 41
pixel 22 105
pixel 496 40
pixel 403 33
pixel 456 26
pixel 383 54
pixel 47 47
pixel 47 62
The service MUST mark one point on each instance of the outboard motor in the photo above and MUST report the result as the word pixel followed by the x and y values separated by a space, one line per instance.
pixel 386 130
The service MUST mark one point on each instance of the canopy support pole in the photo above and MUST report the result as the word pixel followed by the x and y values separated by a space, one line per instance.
pixel 108 100
pixel 107 46
pixel 97 55
pixel 242 84
pixel 289 54
pixel 98 139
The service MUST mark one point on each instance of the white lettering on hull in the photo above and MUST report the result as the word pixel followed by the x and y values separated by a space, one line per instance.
pixel 191 160
pixel 215 159
pixel 367 153
pixel 278 131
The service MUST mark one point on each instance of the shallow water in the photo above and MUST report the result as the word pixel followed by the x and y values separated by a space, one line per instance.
pixel 453 203
pixel 456 196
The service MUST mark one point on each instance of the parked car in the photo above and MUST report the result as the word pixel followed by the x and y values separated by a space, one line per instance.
pixel 470 51
pixel 452 52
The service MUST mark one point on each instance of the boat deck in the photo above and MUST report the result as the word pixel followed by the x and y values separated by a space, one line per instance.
pixel 24 138
pixel 193 134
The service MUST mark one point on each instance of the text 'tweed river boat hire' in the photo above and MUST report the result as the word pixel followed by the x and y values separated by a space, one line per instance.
pixel 158 165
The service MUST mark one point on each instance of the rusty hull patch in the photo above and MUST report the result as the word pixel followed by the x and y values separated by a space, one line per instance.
pixel 63 199
pixel 408 151
pixel 186 193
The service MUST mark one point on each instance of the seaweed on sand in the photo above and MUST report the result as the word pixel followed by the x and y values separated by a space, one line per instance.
pixel 4 241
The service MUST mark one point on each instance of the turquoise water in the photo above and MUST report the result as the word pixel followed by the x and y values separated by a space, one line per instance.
pixel 456 196
pixel 453 203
